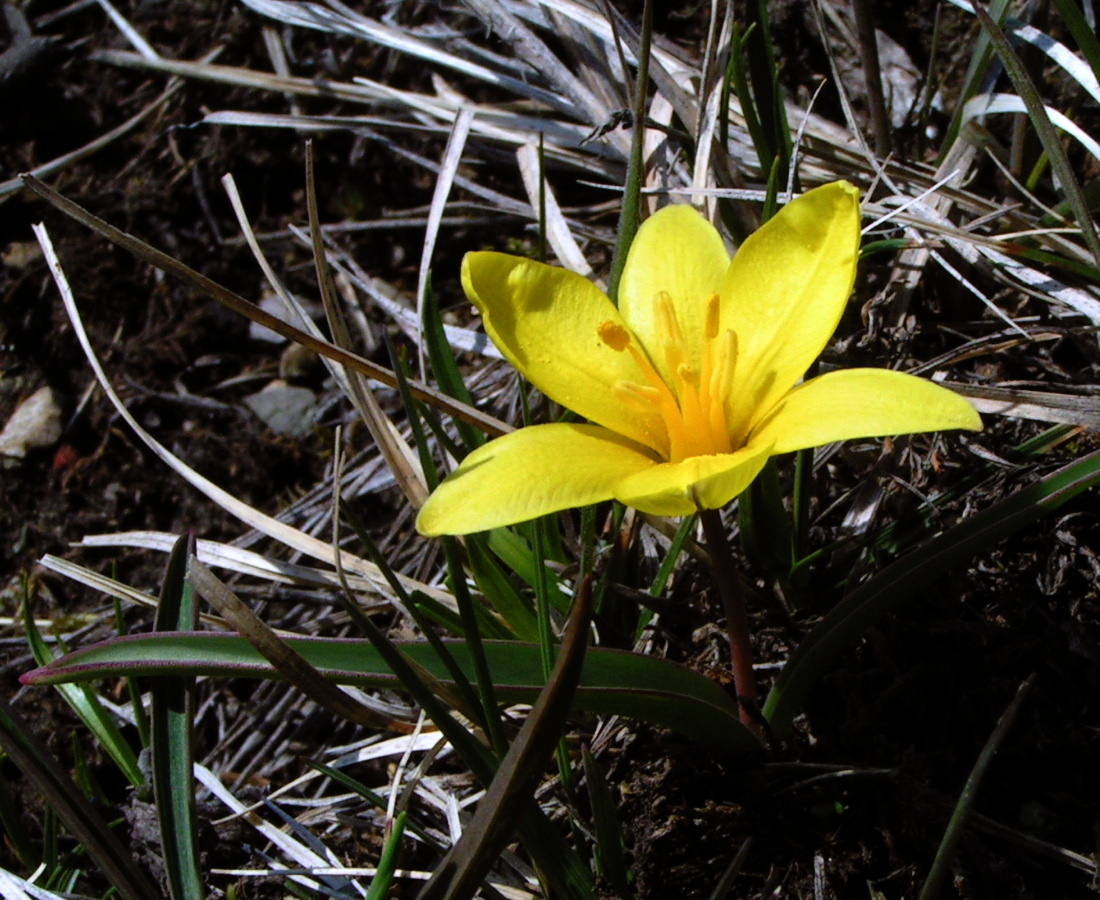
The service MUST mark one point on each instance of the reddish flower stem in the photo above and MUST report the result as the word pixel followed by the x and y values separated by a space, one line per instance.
pixel 737 619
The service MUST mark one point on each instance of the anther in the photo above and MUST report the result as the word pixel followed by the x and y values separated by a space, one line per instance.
pixel 712 317
pixel 614 335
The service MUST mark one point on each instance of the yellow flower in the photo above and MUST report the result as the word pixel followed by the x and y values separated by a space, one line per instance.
pixel 692 382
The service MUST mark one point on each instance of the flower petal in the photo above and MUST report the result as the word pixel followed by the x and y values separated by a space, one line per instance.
pixel 699 482
pixel 544 320
pixel 786 290
pixel 529 473
pixel 677 251
pixel 855 403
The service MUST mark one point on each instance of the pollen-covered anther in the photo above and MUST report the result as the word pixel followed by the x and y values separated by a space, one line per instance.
pixel 712 317
pixel 614 335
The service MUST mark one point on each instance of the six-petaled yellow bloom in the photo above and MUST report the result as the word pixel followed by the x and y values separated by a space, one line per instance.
pixel 692 382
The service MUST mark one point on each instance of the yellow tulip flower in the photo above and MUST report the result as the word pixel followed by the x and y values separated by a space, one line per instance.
pixel 692 382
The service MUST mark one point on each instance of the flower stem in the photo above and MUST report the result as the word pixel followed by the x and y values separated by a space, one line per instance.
pixel 737 619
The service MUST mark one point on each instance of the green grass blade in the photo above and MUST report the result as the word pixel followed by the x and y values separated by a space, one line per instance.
pixel 289 663
pixel 86 705
pixel 460 874
pixel 668 564
pixel 64 799
pixel 421 607
pixel 901 580
pixel 980 58
pixel 945 854
pixel 13 828
pixel 630 217
pixel 1082 32
pixel 767 94
pixel 499 592
pixel 613 682
pixel 445 368
pixel 172 714
pixel 1048 135
pixel 610 856
pixel 343 778
pixel 387 863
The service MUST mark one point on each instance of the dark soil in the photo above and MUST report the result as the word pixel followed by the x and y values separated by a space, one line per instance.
pixel 853 806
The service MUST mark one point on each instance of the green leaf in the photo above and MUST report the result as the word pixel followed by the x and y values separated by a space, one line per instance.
pixel 464 868
pixel 387 864
pixel 610 854
pixel 499 592
pixel 630 214
pixel 172 714
pixel 901 580
pixel 1044 128
pixel 86 705
pixel 445 368
pixel 613 682
pixel 1082 32
pixel 64 799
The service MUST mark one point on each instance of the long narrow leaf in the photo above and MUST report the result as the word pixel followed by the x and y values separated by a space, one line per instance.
pixel 614 682
pixel 898 582
pixel 86 705
pixel 172 715
pixel 282 657
pixel 65 800
pixel 460 874
pixel 1048 137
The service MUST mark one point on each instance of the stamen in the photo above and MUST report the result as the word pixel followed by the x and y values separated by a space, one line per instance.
pixel 711 327
pixel 614 335
pixel 690 398
pixel 670 325
pixel 721 376
pixel 668 328
pixel 725 355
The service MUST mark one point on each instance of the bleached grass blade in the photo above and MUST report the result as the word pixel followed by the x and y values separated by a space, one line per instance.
pixel 1061 170
pixel 276 52
pixel 993 104
pixel 96 581
pixel 1073 65
pixel 558 234
pixel 247 562
pixel 462 339
pixel 1043 286
pixel 1038 406
pixel 388 439
pixel 291 537
pixel 339 19
pixel 528 46
pixel 128 31
pixel 456 143
pixel 292 849
pixel 975 291
pixel 12 887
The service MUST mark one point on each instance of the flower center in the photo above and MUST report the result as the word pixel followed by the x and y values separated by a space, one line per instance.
pixel 690 398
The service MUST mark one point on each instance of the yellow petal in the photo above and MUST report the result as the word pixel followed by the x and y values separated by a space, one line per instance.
pixel 786 290
pixel 677 251
pixel 529 473
pixel 855 403
pixel 699 482
pixel 545 320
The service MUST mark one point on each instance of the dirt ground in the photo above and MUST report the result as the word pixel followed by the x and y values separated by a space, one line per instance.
pixel 854 806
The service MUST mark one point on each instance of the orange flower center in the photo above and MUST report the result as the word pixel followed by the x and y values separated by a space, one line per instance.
pixel 691 399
